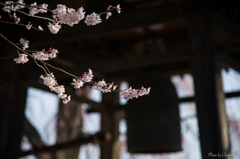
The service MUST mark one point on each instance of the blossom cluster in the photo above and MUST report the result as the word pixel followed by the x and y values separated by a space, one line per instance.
pixel 22 58
pixel 134 93
pixel 104 87
pixel 44 56
pixel 9 6
pixel 61 15
pixel 25 43
pixel 86 77
pixel 69 16
pixel 93 19
pixel 51 82
pixel 35 9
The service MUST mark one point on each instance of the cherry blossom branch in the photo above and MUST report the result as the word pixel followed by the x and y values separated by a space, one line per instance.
pixel 25 5
pixel 35 16
pixel 37 60
pixel 40 66
pixel 20 25
pixel 63 15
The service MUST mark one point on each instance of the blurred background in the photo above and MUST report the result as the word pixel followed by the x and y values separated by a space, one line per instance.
pixel 187 51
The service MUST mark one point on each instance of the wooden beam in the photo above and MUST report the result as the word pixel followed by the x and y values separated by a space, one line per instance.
pixel 67 145
pixel 136 62
pixel 127 19
pixel 230 62
pixel 94 105
pixel 209 95
pixel 13 100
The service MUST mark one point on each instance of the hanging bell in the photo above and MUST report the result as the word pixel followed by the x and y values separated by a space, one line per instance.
pixel 153 120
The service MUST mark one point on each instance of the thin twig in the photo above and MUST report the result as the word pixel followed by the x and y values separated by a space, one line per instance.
pixel 47 69
pixel 27 6
pixel 76 77
pixel 6 57
pixel 37 60
pixel 41 67
pixel 35 16
pixel 19 25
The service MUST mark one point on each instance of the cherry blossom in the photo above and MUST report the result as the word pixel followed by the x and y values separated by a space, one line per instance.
pixel 87 76
pixel 144 91
pixel 134 93
pixel 93 19
pixel 66 100
pixel 48 80
pixel 62 96
pixel 118 8
pixel 114 87
pixel 22 58
pixel 59 89
pixel 109 7
pixel 40 28
pixel 41 55
pixel 29 26
pixel 8 7
pixel 68 16
pixel 108 15
pixel 77 83
pixel 33 10
pixel 16 19
pixel 100 85
pixel 24 43
pixel 54 28
pixel 43 8
pixel 53 53
pixel 19 6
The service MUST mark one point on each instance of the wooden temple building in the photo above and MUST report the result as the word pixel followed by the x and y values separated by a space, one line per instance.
pixel 148 38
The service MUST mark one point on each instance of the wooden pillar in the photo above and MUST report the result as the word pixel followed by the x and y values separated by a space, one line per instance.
pixel 13 99
pixel 209 93
pixel 110 123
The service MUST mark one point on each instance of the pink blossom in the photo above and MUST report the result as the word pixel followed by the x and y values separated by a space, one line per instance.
pixel 54 28
pixel 87 76
pixel 48 80
pixel 29 26
pixel 118 8
pixel 16 19
pixel 9 7
pixel 109 7
pixel 33 10
pixel 62 96
pixel 93 19
pixel 68 16
pixel 114 87
pixel 134 93
pixel 108 15
pixel 77 83
pixel 41 55
pixel 40 28
pixel 53 53
pixel 106 90
pixel 66 100
pixel 43 8
pixel 19 6
pixel 24 43
pixel 59 89
pixel 21 59
pixel 143 91
pixel 100 85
